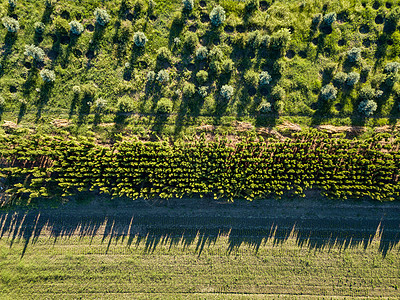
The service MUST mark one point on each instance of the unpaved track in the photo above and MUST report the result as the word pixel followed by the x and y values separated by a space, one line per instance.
pixel 315 222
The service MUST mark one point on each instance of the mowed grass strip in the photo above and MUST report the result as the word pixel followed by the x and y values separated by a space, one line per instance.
pixel 86 267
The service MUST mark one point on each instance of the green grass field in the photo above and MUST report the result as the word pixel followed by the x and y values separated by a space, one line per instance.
pixel 91 268
pixel 324 250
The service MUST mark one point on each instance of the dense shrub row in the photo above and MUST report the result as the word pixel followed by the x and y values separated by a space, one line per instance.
pixel 43 166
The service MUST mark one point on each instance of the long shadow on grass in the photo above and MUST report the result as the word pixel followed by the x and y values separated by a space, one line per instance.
pixel 314 223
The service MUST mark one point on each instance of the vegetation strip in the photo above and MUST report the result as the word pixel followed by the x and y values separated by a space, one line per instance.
pixel 42 166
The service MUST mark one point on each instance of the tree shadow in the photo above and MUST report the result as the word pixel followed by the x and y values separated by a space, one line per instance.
pixel 43 99
pixel 131 223
pixel 175 30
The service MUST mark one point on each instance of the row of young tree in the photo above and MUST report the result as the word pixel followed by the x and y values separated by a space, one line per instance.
pixel 49 166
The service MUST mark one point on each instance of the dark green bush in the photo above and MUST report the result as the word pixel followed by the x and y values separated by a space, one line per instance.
pixel 251 78
pixel 202 77
pixel 251 6
pixel 140 39
pixel 163 54
pixel 227 66
pixel 328 92
pixel 191 40
pixel 367 93
pixel 367 107
pixel 278 93
pixel 61 26
pixel 39 28
pixel 188 90
pixel 280 40
pixel 125 104
pixel 164 106
pixel 217 16
pixel 340 79
pixel 102 17
pixel 10 24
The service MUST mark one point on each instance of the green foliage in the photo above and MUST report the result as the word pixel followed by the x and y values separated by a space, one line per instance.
pixel 328 92
pixel 76 27
pixel 12 3
pixel 280 40
pixel 140 39
pixel 202 77
pixel 264 107
pixel 76 89
pixel 226 92
pixel 392 67
pixel 2 102
pixel 352 79
pixel 367 93
pixel 340 79
pixel 265 78
pixel 329 19
pixel 10 24
pixel 164 106
pixel 151 76
pixel 188 90
pixel 102 17
pixel 100 104
pixel 163 54
pixel 50 3
pixel 217 16
pixel 216 54
pixel 191 40
pixel 227 66
pixel 39 28
pixel 201 53
pixel 251 6
pixel 188 4
pixel 316 20
pixel 125 31
pixel 125 104
pixel 48 75
pixel 251 78
pixel 354 55
pixel 367 107
pixel 162 76
pixel 35 52
pixel 278 93
pixel 202 91
pixel 61 26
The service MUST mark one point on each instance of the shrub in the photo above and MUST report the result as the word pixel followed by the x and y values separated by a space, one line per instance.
pixel 354 55
pixel 251 5
pixel 39 28
pixel 140 39
pixel 367 93
pixel 216 54
pixel 392 67
pixel 49 3
pixel 177 41
pixel 254 39
pixel 48 75
pixel 61 25
pixel 139 7
pixel 391 79
pixel 202 53
pixel 35 52
pixel 340 79
pixel 2 102
pixel 265 78
pixel 102 17
pixel 76 89
pixel 151 76
pixel 265 40
pixel 278 93
pixel 217 16
pixel 280 40
pixel 190 41
pixel 279 106
pixel 162 76
pixel 251 78
pixel 164 106
pixel 352 79
pixel 125 104
pixel 365 72
pixel 187 4
pixel 329 19
pixel 226 92
pixel 12 3
pixel 367 107
pixel 163 54
pixel 10 24
pixel 215 67
pixel 202 91
pixel 76 27
pixel 100 104
pixel 188 90
pixel 316 20
pixel 264 107
pixel 89 90
pixel 227 66
pixel 125 31
pixel 328 92
pixel 202 77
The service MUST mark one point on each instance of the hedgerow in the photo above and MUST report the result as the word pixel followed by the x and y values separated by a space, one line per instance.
pixel 341 168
